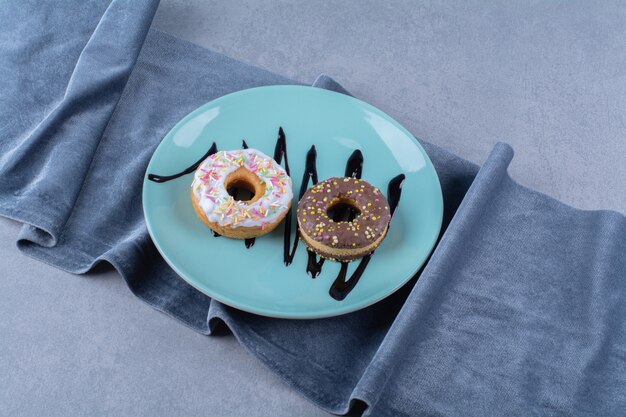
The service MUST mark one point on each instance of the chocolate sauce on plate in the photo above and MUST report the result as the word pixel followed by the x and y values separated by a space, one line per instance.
pixel 189 170
pixel 354 169
pixel 341 286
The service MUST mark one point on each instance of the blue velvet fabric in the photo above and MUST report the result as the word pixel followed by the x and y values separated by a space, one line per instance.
pixel 520 310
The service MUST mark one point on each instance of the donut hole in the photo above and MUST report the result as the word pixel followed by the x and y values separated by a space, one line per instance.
pixel 241 191
pixel 342 210
pixel 244 185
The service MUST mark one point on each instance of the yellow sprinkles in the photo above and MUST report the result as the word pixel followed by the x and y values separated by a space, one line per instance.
pixel 368 225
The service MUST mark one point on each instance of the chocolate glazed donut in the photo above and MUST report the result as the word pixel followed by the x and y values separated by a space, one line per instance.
pixel 343 240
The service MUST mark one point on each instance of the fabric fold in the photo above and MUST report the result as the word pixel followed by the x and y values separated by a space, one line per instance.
pixel 515 324
pixel 60 148
pixel 519 310
pixel 406 329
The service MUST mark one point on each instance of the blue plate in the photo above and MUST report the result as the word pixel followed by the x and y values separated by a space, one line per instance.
pixel 256 279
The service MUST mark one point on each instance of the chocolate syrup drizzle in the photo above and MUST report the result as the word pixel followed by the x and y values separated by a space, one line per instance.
pixel 280 151
pixel 354 169
pixel 341 287
pixel 189 170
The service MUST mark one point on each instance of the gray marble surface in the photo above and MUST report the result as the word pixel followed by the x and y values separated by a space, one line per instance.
pixel 462 74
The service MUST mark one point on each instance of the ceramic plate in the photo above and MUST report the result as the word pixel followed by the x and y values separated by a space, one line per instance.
pixel 255 279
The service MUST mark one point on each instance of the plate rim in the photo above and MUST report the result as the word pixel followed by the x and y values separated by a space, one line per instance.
pixel 273 313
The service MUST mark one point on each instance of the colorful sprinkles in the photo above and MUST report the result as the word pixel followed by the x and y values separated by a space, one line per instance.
pixel 222 208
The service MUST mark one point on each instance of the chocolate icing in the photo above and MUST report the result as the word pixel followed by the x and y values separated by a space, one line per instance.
pixel 362 231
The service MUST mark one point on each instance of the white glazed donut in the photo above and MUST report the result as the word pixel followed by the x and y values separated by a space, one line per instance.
pixel 254 170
